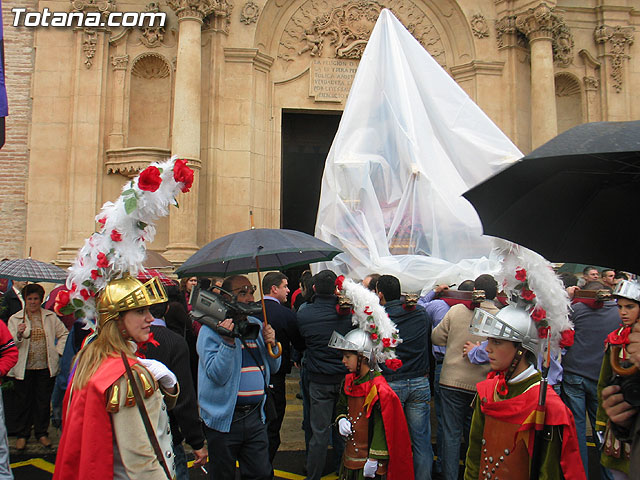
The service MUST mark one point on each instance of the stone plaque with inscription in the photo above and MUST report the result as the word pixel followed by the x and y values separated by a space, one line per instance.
pixel 331 78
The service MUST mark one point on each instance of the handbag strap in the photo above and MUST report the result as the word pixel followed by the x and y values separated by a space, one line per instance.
pixel 145 417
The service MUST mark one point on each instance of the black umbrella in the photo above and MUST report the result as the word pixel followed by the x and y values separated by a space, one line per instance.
pixel 277 249
pixel 574 199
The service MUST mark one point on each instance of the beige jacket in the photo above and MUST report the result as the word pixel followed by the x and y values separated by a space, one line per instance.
pixel 54 330
pixel 452 332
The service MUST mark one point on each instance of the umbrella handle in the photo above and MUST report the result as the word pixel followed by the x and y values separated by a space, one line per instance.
pixel 614 359
pixel 270 349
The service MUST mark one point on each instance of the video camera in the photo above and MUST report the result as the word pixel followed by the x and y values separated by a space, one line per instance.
pixel 210 309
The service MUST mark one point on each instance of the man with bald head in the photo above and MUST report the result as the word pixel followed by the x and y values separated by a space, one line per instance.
pixel 232 374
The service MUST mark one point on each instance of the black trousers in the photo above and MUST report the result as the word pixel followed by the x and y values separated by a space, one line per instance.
pixel 33 403
pixel 245 442
pixel 279 389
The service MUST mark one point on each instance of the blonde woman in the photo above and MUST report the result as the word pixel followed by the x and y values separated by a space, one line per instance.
pixel 104 435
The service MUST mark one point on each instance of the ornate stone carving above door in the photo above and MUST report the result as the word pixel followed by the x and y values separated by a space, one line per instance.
pixel 339 29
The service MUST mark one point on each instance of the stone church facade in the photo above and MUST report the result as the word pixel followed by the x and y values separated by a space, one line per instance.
pixel 90 107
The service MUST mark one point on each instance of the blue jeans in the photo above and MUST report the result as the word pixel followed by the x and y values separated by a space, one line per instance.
pixel 180 461
pixel 438 405
pixel 456 422
pixel 580 394
pixel 415 395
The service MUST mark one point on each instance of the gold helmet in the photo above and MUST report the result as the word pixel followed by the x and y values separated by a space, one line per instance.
pixel 128 293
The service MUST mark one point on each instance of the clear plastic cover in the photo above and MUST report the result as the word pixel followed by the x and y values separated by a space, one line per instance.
pixel 409 144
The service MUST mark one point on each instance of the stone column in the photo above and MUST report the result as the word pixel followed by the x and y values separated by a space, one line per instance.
pixel 537 24
pixel 116 136
pixel 185 131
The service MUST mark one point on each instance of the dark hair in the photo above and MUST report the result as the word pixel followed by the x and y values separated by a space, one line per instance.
pixel 204 283
pixel 389 286
pixel 622 275
pixel 487 283
pixel 467 286
pixel 33 288
pixel 272 279
pixel 158 310
pixel 568 279
pixel 373 281
pixel 588 268
pixel 602 272
pixel 183 282
pixel 325 282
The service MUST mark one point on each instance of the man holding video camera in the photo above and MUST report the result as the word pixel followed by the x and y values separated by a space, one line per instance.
pixel 233 370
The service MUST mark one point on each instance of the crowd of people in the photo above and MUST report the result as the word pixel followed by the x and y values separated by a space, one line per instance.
pixel 150 378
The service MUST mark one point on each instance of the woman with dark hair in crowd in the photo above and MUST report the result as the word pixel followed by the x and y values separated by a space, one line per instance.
pixel 179 321
pixel 40 337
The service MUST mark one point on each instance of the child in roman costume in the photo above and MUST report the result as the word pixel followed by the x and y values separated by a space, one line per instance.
pixel 517 433
pixel 369 413
pixel 615 365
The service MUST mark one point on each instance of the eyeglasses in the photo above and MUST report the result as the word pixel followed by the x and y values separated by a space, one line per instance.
pixel 245 290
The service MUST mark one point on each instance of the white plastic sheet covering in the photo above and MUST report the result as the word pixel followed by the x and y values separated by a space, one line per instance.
pixel 409 144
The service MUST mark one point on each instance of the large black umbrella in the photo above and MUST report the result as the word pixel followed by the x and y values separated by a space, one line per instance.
pixel 277 249
pixel 574 199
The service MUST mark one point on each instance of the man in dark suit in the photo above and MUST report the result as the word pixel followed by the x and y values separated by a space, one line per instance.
pixel 275 286
pixel 12 301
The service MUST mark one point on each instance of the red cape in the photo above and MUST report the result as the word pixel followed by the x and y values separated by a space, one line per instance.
pixel 395 424
pixel 86 447
pixel 521 410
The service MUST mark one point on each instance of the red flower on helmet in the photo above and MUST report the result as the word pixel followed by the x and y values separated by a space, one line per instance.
pixel 521 274
pixel 527 294
pixel 339 282
pixel 102 221
pixel 374 336
pixel 393 363
pixel 368 310
pixel 543 332
pixel 386 342
pixel 62 300
pixel 566 338
pixel 149 179
pixel 182 173
pixel 116 236
pixel 95 274
pixel 102 262
pixel 538 314
pixel 85 294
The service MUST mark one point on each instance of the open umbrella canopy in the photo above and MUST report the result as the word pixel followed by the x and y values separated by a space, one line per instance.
pixel 155 260
pixel 236 253
pixel 30 270
pixel 148 273
pixel 573 199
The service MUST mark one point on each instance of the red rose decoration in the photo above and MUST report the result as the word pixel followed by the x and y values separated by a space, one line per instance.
pixel 372 326
pixel 374 336
pixel 527 294
pixel 116 236
pixel 103 262
pixel 95 274
pixel 394 341
pixel 521 274
pixel 393 363
pixel 102 221
pixel 386 342
pixel 182 173
pixel 368 310
pixel 538 314
pixel 566 338
pixel 85 294
pixel 62 300
pixel 543 332
pixel 339 282
pixel 149 179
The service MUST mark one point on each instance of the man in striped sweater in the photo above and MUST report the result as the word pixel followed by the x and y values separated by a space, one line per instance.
pixel 8 358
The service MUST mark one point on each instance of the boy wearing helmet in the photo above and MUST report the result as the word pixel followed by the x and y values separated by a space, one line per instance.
pixel 369 415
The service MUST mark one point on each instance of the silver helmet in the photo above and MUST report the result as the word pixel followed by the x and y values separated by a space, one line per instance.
pixel 356 340
pixel 627 289
pixel 511 323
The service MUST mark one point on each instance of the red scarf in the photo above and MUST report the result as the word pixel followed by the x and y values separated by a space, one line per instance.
pixel 501 387
pixel 619 336
pixel 142 346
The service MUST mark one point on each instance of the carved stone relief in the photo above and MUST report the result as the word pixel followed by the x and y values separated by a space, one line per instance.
pixel 566 85
pixel 89 43
pixel 619 39
pixel 250 13
pixel 479 26
pixel 120 62
pixel 219 10
pixel 545 22
pixel 507 34
pixel 152 36
pixel 339 29
pixel 102 6
pixel 150 65
pixel 591 83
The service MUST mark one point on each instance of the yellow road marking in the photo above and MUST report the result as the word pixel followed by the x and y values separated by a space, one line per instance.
pixel 40 463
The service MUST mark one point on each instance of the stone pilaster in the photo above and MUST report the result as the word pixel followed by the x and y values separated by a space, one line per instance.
pixel 538 24
pixel 618 39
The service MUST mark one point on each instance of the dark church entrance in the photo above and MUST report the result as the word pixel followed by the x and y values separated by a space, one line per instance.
pixel 306 140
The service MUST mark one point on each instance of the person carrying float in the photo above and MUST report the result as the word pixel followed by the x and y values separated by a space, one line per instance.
pixel 115 422
pixel 520 428
pixel 369 413
pixel 617 369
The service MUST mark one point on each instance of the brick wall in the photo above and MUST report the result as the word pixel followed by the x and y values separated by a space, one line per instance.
pixel 14 156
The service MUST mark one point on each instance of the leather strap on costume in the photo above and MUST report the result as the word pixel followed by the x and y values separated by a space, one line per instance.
pixel 356 450
pixel 145 417
pixel 496 461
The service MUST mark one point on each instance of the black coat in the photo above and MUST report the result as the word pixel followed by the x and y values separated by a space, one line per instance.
pixel 10 304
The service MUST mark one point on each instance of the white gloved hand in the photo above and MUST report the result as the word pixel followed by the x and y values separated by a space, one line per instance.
pixel 160 372
pixel 369 469
pixel 344 427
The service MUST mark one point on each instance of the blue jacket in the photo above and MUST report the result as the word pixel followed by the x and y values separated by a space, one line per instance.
pixel 316 322
pixel 219 376
pixel 414 329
